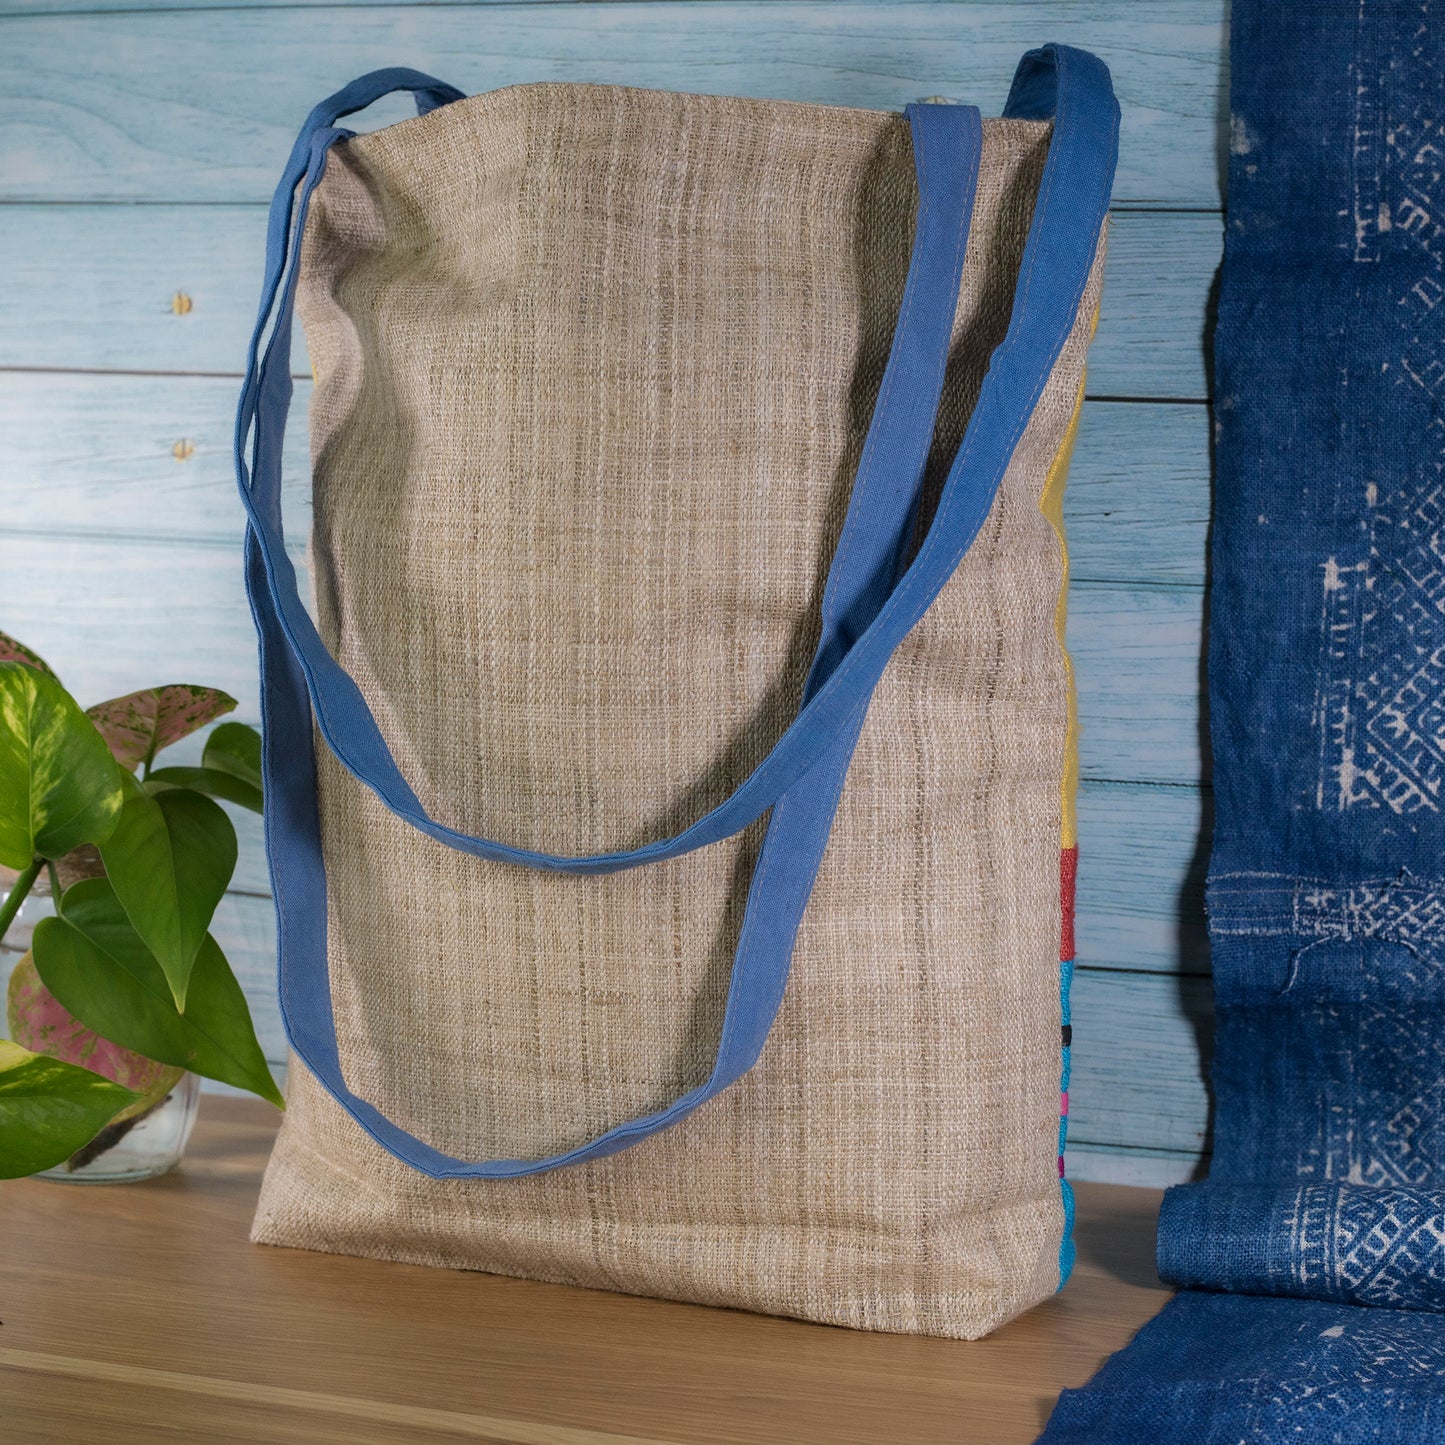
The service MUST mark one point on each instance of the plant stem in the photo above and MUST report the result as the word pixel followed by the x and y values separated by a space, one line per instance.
pixel 23 884
pixel 54 883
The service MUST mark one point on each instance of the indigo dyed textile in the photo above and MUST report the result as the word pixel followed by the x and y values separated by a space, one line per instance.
pixel 1326 894
pixel 1217 1368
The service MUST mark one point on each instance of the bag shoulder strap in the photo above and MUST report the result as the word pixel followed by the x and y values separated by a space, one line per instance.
pixel 1070 210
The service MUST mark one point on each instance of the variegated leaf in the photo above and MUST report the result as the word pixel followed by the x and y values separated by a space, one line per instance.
pixel 138 725
pixel 13 650
pixel 49 1109
pixel 41 1023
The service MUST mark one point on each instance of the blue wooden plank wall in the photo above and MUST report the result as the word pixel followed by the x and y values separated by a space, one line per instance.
pixel 138 142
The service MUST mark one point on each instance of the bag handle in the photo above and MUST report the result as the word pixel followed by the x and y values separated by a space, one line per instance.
pixel 1079 166
pixel 862 612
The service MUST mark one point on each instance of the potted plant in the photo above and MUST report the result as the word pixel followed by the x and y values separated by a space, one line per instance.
pixel 124 997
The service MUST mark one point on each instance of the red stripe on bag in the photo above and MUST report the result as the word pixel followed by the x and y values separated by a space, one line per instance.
pixel 1068 879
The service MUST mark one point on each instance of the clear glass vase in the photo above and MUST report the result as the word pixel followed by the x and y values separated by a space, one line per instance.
pixel 152 1143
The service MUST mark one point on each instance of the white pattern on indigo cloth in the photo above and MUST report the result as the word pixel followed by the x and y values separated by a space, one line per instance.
pixel 1231 1370
pixel 1321 1226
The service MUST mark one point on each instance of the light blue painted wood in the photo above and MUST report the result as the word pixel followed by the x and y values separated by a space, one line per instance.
pixel 1158 282
pixel 1141 876
pixel 1137 504
pixel 119 560
pixel 1117 1087
pixel 111 617
pixel 1136 652
pixel 174 289
pixel 1142 856
pixel 1141 873
pixel 96 456
pixel 1140 1041
pixel 107 613
pixel 1144 1168
pixel 202 106
pixel 136 459
pixel 1140 1055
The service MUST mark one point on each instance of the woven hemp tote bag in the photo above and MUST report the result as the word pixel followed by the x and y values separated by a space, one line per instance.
pixel 687 581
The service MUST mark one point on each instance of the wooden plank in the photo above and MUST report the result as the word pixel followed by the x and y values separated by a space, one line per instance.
pixel 1147 1168
pixel 1155 312
pixel 150 457
pixel 136 458
pixel 125 1307
pixel 1138 661
pixel 174 289
pixel 1138 499
pixel 1142 862
pixel 1140 1039
pixel 1143 856
pixel 1141 1055
pixel 202 106
pixel 1143 853
pixel 110 617
pixel 1137 650
pixel 106 617
pixel 89 7
pixel 108 7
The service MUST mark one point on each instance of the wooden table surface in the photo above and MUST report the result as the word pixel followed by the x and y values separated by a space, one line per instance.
pixel 142 1313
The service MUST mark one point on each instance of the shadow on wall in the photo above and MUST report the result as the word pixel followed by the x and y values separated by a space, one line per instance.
pixel 1196 1001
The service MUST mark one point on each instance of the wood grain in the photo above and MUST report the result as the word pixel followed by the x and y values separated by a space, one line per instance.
pixel 1138 498
pixel 1141 1040
pixel 1136 648
pixel 1141 1167
pixel 174 289
pixel 203 106
pixel 1141 1055
pixel 1142 858
pixel 1141 1023
pixel 131 1306
pixel 1141 874
pixel 111 504
pixel 96 456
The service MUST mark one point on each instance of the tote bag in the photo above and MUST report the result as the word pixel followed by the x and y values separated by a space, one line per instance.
pixel 687 604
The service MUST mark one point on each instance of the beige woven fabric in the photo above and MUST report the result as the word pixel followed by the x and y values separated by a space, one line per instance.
pixel 594 367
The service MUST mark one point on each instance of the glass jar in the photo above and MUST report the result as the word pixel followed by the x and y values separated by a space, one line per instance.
pixel 150 1142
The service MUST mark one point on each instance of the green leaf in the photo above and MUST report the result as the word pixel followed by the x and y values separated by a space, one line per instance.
pixel 40 1022
pixel 138 725
pixel 208 780
pixel 169 859
pixel 13 650
pixel 92 960
pixel 49 1109
pixel 235 748
pixel 59 785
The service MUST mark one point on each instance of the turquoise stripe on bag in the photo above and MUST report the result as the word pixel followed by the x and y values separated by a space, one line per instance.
pixel 868 605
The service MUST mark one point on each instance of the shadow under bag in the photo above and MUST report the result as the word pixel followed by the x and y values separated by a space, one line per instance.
pixel 688 585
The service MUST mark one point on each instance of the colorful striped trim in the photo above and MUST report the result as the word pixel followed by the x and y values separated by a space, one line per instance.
pixel 1051 504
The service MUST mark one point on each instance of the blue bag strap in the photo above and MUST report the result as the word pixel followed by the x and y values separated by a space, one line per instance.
pixel 863 584
pixel 1069 83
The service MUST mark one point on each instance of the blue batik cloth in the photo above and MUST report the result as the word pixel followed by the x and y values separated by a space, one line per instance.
pixel 1216 1368
pixel 1326 894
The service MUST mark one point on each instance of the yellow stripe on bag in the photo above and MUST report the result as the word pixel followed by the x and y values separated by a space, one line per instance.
pixel 1051 504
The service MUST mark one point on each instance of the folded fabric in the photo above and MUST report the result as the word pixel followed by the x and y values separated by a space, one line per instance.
pixel 1326 898
pixel 1216 1367
pixel 1327 673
